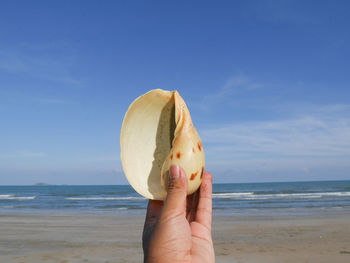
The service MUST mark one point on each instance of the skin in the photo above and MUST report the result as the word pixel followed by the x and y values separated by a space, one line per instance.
pixel 179 229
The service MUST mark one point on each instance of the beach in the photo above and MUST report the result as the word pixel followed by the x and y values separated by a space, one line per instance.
pixel 112 238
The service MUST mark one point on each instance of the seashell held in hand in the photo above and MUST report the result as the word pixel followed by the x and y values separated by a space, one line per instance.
pixel 158 132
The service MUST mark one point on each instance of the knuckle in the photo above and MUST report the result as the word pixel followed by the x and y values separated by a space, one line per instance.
pixel 208 176
pixel 176 187
pixel 205 210
pixel 206 190
pixel 175 190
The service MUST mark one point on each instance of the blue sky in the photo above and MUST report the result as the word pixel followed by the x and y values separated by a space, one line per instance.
pixel 267 84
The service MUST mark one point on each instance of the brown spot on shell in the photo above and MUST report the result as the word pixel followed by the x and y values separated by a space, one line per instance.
pixel 193 149
pixel 178 155
pixel 202 172
pixel 199 146
pixel 171 156
pixel 193 176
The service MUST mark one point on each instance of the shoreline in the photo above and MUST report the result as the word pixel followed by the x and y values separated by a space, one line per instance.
pixel 111 238
pixel 314 211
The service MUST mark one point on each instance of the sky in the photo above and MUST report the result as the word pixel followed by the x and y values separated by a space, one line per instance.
pixel 267 84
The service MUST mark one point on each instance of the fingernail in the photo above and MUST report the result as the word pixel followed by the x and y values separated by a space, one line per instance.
pixel 174 171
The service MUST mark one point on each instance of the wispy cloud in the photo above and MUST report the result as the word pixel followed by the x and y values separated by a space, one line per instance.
pixel 40 62
pixel 12 64
pixel 22 154
pixel 312 135
pixel 235 84
pixel 49 101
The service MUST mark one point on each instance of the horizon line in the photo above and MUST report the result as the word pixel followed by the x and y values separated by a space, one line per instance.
pixel 306 181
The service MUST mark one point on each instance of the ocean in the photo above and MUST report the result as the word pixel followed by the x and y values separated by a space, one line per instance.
pixel 239 198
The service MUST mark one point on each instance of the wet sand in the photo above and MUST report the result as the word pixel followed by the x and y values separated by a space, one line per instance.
pixel 72 238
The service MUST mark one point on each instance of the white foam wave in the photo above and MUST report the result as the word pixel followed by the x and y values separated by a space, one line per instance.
pixel 252 196
pixel 13 197
pixel 5 196
pixel 229 195
pixel 106 198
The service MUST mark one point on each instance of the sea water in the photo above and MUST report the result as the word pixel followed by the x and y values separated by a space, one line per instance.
pixel 239 198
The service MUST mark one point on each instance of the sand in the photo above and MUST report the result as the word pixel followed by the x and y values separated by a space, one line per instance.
pixel 71 238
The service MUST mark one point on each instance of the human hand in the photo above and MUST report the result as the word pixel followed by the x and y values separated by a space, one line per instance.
pixel 179 229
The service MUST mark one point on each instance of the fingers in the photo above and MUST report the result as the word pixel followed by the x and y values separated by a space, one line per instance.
pixel 175 203
pixel 204 209
pixel 192 203
pixel 154 209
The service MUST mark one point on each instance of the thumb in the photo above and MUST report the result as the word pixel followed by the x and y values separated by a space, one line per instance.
pixel 175 202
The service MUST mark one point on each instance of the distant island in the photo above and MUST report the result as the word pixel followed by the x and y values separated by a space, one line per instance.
pixel 45 184
pixel 41 184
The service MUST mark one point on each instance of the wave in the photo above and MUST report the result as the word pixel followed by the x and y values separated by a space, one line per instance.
pixel 106 198
pixel 13 197
pixel 254 196
pixel 229 195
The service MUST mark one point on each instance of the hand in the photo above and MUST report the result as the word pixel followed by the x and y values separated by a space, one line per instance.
pixel 179 229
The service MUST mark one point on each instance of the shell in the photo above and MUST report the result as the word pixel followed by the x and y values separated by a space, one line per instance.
pixel 158 132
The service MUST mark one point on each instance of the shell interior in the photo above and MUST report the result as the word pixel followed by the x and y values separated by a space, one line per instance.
pixel 157 132
pixel 146 140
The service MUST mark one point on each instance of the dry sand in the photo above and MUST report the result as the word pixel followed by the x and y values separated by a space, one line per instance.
pixel 72 238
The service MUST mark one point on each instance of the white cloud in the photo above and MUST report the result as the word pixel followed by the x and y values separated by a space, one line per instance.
pixel 289 169
pixel 312 135
pixel 233 85
pixel 40 62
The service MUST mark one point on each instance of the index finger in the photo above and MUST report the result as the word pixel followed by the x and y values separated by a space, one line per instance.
pixel 154 210
pixel 204 209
